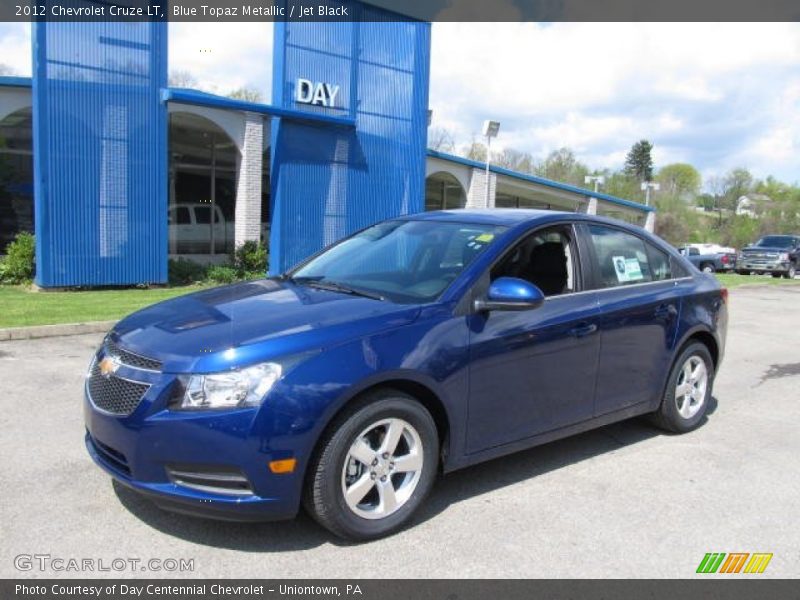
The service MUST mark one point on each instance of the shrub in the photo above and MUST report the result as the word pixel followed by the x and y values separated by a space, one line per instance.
pixel 222 274
pixel 184 272
pixel 250 257
pixel 19 265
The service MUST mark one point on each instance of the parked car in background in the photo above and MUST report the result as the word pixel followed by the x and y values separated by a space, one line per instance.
pixel 778 255
pixel 709 262
pixel 191 232
pixel 420 345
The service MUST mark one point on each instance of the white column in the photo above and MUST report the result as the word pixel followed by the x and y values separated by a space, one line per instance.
pixel 476 194
pixel 591 207
pixel 650 222
pixel 248 183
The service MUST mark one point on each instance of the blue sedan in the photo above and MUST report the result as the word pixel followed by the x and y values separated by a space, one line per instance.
pixel 420 345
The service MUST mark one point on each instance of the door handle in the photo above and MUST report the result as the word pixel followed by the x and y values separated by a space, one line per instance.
pixel 583 330
pixel 666 311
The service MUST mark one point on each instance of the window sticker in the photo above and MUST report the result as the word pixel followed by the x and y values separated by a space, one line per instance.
pixel 627 269
pixel 485 237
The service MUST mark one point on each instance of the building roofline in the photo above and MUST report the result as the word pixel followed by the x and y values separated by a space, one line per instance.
pixel 7 81
pixel 540 180
pixel 198 98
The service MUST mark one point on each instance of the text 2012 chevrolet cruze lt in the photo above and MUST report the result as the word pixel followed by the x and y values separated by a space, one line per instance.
pixel 419 345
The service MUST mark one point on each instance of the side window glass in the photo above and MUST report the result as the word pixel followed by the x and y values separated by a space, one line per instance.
pixel 621 258
pixel 202 215
pixel 545 259
pixel 183 216
pixel 659 263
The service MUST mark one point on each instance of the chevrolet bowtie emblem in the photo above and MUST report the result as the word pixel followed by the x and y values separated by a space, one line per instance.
pixel 108 366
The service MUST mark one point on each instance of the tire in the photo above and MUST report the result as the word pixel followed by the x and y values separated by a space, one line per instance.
pixel 673 414
pixel 334 468
pixel 743 272
pixel 790 274
pixel 707 268
pixel 776 275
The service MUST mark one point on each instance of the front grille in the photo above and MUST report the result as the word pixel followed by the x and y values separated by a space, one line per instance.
pixel 110 457
pixel 114 394
pixel 130 358
pixel 228 481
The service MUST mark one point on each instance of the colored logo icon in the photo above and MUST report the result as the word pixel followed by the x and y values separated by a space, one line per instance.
pixel 734 562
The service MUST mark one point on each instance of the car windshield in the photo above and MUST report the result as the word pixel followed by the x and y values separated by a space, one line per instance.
pixel 775 241
pixel 404 261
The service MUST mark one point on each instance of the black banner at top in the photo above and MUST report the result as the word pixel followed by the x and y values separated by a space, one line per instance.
pixel 425 10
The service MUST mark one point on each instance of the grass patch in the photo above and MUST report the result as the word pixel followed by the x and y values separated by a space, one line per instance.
pixel 733 280
pixel 19 306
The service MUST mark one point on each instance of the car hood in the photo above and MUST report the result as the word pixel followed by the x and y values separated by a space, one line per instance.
pixel 237 325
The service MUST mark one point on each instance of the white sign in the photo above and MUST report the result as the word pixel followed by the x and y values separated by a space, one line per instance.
pixel 627 269
pixel 317 93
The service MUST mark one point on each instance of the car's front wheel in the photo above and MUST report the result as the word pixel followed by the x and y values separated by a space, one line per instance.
pixel 688 392
pixel 790 274
pixel 374 466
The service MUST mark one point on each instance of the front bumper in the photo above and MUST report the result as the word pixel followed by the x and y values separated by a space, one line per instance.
pixel 138 448
pixel 761 266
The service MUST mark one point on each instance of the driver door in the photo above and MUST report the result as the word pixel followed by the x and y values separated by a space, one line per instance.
pixel 534 371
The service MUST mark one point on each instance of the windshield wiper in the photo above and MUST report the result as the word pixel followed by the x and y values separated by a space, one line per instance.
pixel 335 286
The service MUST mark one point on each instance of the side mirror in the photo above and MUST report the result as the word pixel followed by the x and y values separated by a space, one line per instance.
pixel 510 293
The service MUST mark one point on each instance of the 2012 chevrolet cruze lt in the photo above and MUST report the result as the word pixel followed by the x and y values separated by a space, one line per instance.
pixel 422 344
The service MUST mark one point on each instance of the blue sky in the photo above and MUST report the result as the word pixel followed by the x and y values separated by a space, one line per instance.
pixel 715 95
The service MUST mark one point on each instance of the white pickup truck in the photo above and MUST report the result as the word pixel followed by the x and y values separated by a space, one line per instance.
pixel 190 230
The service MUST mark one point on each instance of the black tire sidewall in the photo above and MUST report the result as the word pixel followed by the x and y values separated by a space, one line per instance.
pixel 338 517
pixel 669 410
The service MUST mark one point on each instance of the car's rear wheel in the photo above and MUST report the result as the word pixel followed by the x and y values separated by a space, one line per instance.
pixel 688 391
pixel 374 467
pixel 707 268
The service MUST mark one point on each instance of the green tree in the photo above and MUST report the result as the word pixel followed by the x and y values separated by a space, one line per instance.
pixel 680 180
pixel 509 158
pixel 247 94
pixel 562 165
pixel 639 162
pixel 736 183
pixel 475 151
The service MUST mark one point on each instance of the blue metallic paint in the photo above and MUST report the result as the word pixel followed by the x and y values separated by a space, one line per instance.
pixel 501 381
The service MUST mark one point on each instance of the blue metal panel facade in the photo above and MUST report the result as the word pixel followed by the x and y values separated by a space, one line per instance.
pixel 100 135
pixel 327 182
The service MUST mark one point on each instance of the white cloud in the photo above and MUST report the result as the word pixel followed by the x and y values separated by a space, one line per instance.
pixel 15 47
pixel 224 56
pixel 699 91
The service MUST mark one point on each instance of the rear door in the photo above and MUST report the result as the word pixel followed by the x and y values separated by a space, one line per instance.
pixel 639 303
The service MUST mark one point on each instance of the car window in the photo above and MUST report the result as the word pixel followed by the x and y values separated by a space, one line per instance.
pixel 202 215
pixel 620 258
pixel 544 258
pixel 405 261
pixel 660 267
pixel 183 215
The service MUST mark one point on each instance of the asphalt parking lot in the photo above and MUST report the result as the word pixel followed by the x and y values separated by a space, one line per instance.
pixel 622 501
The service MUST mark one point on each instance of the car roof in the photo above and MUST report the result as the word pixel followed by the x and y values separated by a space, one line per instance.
pixel 489 216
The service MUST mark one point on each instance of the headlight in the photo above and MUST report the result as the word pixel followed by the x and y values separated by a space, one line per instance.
pixel 783 256
pixel 231 389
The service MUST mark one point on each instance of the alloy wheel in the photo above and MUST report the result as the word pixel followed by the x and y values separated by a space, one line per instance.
pixel 690 390
pixel 382 468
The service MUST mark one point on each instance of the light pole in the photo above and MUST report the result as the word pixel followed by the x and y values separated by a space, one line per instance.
pixel 490 130
pixel 598 180
pixel 646 187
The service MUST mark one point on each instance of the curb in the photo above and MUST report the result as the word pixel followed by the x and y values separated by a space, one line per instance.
pixel 61 329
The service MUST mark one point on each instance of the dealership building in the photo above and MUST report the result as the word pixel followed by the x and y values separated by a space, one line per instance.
pixel 116 172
